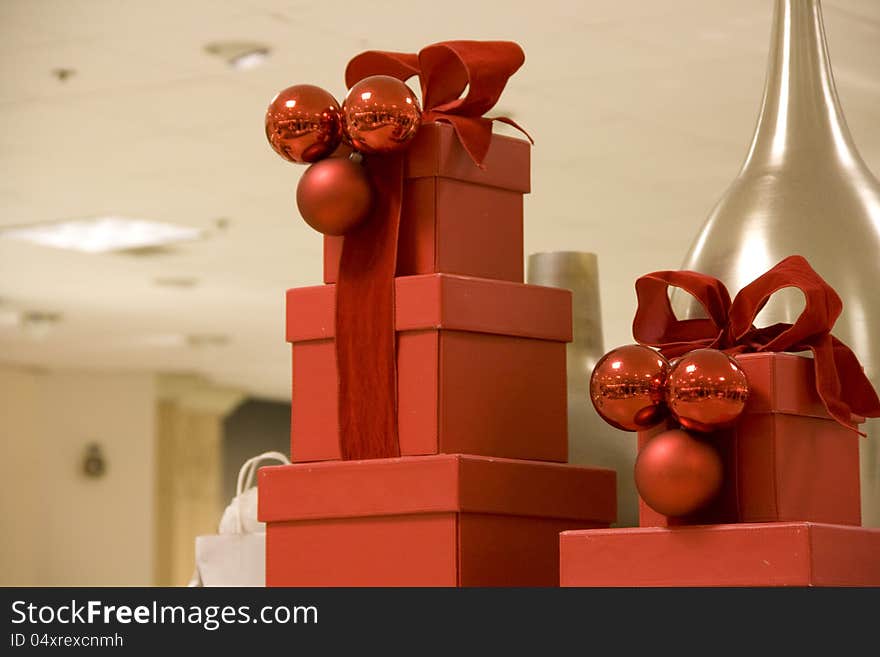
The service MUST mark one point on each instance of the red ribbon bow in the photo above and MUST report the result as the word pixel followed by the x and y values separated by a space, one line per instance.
pixel 445 70
pixel 840 379
pixel 365 331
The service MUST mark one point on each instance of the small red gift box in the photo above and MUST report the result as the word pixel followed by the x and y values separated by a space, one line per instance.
pixel 480 369
pixel 785 459
pixel 766 554
pixel 456 217
pixel 446 520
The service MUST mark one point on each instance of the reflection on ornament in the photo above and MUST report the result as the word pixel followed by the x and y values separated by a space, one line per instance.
pixel 334 195
pixel 303 124
pixel 380 114
pixel 706 390
pixel 677 473
pixel 626 387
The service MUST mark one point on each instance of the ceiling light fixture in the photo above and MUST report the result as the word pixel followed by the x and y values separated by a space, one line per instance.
pixel 248 60
pixel 175 340
pixel 102 234
pixel 176 281
pixel 240 55
pixel 199 340
pixel 63 74
pixel 37 325
pixel 162 340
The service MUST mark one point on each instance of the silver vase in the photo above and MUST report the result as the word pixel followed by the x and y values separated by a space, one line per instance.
pixel 590 440
pixel 803 189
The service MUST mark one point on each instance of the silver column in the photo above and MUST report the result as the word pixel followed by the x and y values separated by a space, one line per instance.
pixel 590 440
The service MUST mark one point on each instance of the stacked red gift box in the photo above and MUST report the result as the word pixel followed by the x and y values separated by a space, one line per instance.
pixel 477 490
pixel 428 431
pixel 785 508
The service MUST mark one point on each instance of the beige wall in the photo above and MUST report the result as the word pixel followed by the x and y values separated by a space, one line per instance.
pixel 58 526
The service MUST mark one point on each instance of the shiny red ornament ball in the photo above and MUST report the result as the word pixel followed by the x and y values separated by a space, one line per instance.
pixel 334 195
pixel 303 124
pixel 677 474
pixel 626 387
pixel 706 390
pixel 380 115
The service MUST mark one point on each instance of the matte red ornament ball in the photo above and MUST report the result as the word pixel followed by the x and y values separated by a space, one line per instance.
pixel 334 195
pixel 380 115
pixel 303 124
pixel 706 390
pixel 677 474
pixel 626 387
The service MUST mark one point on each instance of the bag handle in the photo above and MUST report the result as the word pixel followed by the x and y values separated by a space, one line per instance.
pixel 246 478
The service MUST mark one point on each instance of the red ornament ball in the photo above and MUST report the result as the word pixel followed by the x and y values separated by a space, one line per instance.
pixel 334 195
pixel 706 390
pixel 303 124
pixel 677 473
pixel 626 387
pixel 380 115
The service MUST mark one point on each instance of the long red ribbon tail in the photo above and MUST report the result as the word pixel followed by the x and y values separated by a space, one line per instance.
pixel 839 377
pixel 365 324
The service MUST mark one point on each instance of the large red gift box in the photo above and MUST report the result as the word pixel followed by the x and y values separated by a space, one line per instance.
pixel 444 520
pixel 762 554
pixel 457 218
pixel 480 368
pixel 786 459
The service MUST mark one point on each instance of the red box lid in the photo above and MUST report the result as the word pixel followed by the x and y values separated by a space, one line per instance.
pixel 741 554
pixel 783 383
pixel 437 151
pixel 435 484
pixel 443 301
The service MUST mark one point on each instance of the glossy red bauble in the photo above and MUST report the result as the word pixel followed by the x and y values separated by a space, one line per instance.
pixel 677 473
pixel 303 124
pixel 380 115
pixel 334 195
pixel 626 387
pixel 706 390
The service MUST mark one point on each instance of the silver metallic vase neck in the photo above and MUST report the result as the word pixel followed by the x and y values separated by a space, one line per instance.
pixel 800 113
pixel 804 190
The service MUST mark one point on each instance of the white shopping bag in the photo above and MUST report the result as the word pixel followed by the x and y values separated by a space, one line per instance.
pixel 236 556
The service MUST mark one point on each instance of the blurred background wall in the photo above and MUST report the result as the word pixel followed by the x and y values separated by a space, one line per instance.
pixel 60 526
pixel 255 426
pixel 161 440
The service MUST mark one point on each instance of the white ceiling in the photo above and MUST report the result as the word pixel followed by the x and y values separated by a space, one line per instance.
pixel 642 112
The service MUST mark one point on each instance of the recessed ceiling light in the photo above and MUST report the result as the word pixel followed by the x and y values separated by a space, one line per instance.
pixel 37 325
pixel 240 55
pixel 63 74
pixel 193 340
pixel 162 340
pixel 207 340
pixel 102 234
pixel 176 281
pixel 248 60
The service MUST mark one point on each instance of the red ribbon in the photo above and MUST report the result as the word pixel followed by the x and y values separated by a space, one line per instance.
pixel 445 70
pixel 729 326
pixel 365 331
pixel 365 338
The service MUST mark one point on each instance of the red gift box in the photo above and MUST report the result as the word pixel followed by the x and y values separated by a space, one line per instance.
pixel 766 554
pixel 480 369
pixel 457 218
pixel 446 520
pixel 786 458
